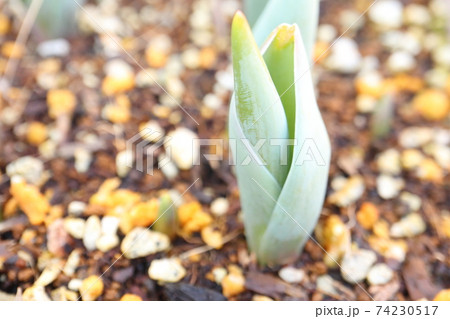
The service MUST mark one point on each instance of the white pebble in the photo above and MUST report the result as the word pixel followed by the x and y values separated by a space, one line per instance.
pixel 326 33
pixel 380 274
pixel 413 137
pixel 387 14
pixel 110 224
pixel 166 270
pixel 388 162
pixel 401 61
pixel 183 147
pixel 55 47
pixel 441 56
pixel 75 227
pixel 75 284
pixel 389 187
pixel 124 162
pixel 220 206
pixel 417 14
pixel 152 131
pixel 76 208
pixel 409 226
pixel 72 263
pixel 167 167
pixel 356 264
pixel 292 275
pixel 28 167
pixel 141 242
pixel 107 242
pixel 345 57
pixel 92 231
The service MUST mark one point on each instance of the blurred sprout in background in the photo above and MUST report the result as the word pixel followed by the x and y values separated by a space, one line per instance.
pixel 57 18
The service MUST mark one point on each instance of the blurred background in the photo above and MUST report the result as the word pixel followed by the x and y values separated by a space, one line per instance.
pixel 78 79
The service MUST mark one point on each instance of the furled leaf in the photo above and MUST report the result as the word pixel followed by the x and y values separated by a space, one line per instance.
pixel 279 217
pixel 305 13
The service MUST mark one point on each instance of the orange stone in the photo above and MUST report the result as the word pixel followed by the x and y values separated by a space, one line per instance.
pixel 367 215
pixel 30 201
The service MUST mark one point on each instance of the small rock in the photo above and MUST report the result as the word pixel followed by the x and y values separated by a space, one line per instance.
pixel 411 200
pixel 57 237
pixel 91 288
pixel 409 226
pixel 55 47
pixel 76 208
pixel 443 295
pixel 75 284
pixel 167 167
pixel 326 285
pixel 432 104
pixel 234 283
pixel 83 159
pixel 220 206
pixel 411 158
pixel 389 187
pixel 141 242
pixel 49 274
pixel 326 33
pixel 291 275
pixel 92 232
pixel 345 57
pixel 356 265
pixel 124 162
pixel 388 162
pixel 349 191
pixel 166 270
pixel 401 61
pixel 35 293
pixel 380 274
pixel 75 227
pixel 441 56
pixel 388 14
pixel 183 147
pixel 107 242
pixel 130 297
pixel 72 263
pixel 367 215
pixel 413 137
pixel 151 131
pixel 28 167
pixel 110 225
pixel 219 274
pixel 417 14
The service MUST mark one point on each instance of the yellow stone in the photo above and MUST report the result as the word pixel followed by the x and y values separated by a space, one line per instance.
pixel 155 57
pixel 10 208
pixel 116 85
pixel 321 51
pixel 445 226
pixel 12 50
pixel 30 201
pixel 60 101
pixel 381 229
pixel 208 57
pixel 234 283
pixel 261 298
pixel 130 297
pixel 36 133
pixel 4 24
pixel 334 236
pixel 432 104
pixel 411 158
pixel 367 215
pixel 140 215
pixel 366 87
pixel 117 114
pixel 211 237
pixel 443 295
pixel 91 288
pixel 429 170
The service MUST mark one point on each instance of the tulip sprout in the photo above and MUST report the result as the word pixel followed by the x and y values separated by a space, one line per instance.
pixel 266 15
pixel 275 121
